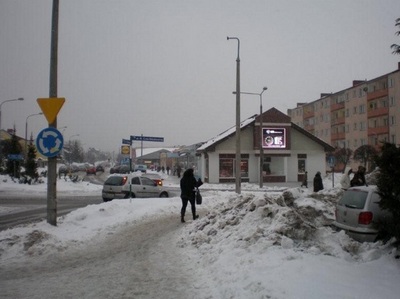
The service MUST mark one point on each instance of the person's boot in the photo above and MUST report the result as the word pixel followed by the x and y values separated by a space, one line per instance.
pixel 183 219
pixel 195 217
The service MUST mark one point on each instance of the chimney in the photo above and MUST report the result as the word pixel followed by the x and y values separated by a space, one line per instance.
pixel 357 82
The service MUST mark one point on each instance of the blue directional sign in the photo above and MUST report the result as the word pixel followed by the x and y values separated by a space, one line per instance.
pixel 49 142
pixel 147 138
pixel 126 141
pixel 15 157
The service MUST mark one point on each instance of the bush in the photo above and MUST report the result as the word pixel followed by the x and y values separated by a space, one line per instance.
pixel 388 185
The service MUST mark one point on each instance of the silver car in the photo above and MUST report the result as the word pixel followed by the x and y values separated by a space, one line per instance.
pixel 358 213
pixel 131 185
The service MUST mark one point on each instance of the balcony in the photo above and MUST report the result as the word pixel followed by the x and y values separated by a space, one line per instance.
pixel 338 121
pixel 337 106
pixel 377 94
pixel 338 136
pixel 378 112
pixel 378 131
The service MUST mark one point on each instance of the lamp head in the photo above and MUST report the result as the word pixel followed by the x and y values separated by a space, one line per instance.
pixel 20 99
pixel 265 88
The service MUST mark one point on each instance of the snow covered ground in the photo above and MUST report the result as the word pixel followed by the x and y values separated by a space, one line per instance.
pixel 270 244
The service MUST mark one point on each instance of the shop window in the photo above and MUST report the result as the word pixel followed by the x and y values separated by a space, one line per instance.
pixel 227 168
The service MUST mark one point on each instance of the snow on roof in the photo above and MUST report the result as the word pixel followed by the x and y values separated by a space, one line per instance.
pixel 150 150
pixel 227 133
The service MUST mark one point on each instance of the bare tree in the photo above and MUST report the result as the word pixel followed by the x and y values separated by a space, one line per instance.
pixel 395 47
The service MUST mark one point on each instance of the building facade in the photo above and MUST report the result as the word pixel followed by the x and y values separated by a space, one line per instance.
pixel 367 113
pixel 288 151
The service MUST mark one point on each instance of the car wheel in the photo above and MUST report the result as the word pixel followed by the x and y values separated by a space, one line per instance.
pixel 106 199
pixel 164 194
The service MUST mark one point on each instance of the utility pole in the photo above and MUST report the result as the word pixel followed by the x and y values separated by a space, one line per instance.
pixel 52 161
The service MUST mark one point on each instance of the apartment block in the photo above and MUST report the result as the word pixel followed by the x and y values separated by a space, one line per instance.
pixel 368 112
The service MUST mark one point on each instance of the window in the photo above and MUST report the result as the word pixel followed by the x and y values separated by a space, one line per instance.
pixel 362 109
pixel 227 167
pixel 355 127
pixel 135 181
pixel 301 163
pixel 392 101
pixel 392 120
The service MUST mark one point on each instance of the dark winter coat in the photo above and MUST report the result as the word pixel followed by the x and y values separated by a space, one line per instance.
pixel 189 184
pixel 318 182
pixel 358 179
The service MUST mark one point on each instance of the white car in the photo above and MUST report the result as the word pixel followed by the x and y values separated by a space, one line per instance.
pixel 131 185
pixel 358 213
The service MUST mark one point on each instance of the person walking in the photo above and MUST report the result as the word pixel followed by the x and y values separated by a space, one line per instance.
pixel 318 182
pixel 305 181
pixel 345 180
pixel 359 177
pixel 188 185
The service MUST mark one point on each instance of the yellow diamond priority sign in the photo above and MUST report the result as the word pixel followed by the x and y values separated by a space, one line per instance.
pixel 50 107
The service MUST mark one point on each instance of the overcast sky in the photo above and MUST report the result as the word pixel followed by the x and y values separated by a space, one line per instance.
pixel 165 68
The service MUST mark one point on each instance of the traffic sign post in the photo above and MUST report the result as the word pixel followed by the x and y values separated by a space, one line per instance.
pixel 142 138
pixel 49 142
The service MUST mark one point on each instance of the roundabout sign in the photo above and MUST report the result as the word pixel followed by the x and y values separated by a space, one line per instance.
pixel 49 142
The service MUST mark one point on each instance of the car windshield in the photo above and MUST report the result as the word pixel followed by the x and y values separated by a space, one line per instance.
pixel 115 181
pixel 354 199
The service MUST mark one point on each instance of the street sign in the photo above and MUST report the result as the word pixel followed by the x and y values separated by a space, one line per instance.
pixel 49 142
pixel 126 141
pixel 331 161
pixel 15 157
pixel 50 107
pixel 147 138
pixel 125 150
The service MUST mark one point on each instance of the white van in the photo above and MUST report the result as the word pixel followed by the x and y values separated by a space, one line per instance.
pixel 358 213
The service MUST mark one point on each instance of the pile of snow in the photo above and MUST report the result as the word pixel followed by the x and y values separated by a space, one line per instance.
pixel 270 244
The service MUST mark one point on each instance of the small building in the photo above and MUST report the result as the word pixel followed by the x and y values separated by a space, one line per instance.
pixel 288 151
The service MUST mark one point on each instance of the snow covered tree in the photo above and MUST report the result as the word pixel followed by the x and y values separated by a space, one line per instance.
pixel 388 185
pixel 342 156
pixel 365 154
pixel 31 165
pixel 12 147
pixel 395 47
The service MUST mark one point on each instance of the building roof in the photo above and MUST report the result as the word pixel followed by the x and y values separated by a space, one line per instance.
pixel 219 138
pixel 270 116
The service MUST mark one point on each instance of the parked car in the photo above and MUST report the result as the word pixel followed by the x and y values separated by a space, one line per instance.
pixel 100 168
pixel 91 170
pixel 358 213
pixel 121 186
pixel 140 167
pixel 119 169
pixel 155 177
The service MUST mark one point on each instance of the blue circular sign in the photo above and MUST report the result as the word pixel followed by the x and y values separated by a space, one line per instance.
pixel 49 142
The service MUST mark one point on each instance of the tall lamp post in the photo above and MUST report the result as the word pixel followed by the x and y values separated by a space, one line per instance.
pixel 1 104
pixel 19 99
pixel 238 155
pixel 26 133
pixel 261 133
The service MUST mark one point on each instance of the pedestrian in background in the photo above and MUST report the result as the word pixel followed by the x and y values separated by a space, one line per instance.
pixel 359 177
pixel 318 182
pixel 305 180
pixel 345 180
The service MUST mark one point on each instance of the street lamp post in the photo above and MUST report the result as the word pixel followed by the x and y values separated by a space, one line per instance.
pixel 238 155
pixel 19 99
pixel 26 133
pixel 261 133
pixel 1 104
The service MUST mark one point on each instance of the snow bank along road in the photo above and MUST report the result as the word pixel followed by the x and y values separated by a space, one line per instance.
pixel 139 261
